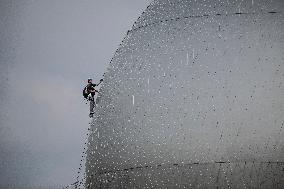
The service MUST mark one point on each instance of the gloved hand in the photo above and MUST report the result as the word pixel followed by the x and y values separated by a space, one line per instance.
pixel 90 97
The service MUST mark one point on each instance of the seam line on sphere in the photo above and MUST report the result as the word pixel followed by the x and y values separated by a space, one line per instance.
pixel 188 164
pixel 196 16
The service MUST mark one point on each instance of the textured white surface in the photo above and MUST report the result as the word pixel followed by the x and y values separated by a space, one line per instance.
pixel 208 88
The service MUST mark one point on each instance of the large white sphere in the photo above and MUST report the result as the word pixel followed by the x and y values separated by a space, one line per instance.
pixel 193 97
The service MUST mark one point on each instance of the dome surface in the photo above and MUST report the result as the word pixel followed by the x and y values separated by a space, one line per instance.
pixel 177 9
pixel 193 98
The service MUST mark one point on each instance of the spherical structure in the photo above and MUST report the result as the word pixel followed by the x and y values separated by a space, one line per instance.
pixel 193 98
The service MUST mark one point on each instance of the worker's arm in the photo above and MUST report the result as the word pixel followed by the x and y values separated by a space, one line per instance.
pixel 94 91
pixel 101 80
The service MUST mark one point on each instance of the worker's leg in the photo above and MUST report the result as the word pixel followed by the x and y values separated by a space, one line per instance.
pixel 92 105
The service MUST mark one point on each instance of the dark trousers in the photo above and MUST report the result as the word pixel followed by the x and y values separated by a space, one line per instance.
pixel 92 105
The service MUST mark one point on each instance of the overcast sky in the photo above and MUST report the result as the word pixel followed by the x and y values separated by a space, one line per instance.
pixel 48 50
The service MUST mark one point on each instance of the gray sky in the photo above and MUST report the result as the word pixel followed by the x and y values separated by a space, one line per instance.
pixel 48 50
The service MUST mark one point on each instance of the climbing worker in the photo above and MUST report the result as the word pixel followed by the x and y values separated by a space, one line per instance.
pixel 89 92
